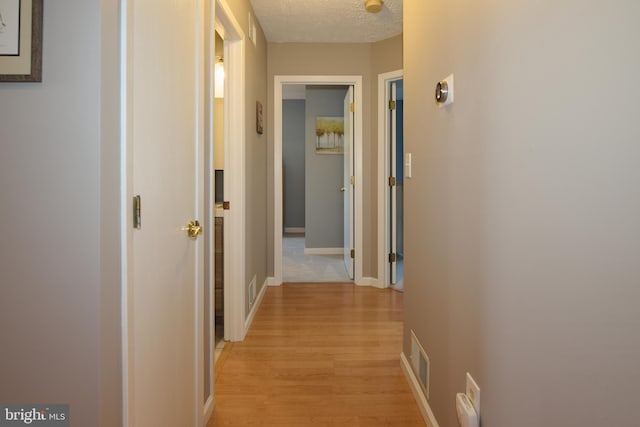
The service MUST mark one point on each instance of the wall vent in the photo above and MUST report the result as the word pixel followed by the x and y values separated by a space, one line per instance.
pixel 420 364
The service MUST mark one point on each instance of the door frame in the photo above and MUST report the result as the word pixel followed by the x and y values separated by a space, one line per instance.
pixel 234 180
pixel 383 171
pixel 279 81
pixel 348 234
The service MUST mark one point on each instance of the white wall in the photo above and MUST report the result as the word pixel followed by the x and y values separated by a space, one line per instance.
pixel 523 214
pixel 60 336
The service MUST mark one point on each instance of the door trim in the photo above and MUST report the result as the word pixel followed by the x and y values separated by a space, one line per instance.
pixel 383 171
pixel 234 182
pixel 279 81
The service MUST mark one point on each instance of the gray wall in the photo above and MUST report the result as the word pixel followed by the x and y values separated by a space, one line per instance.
pixel 293 162
pixel 59 259
pixel 522 241
pixel 324 172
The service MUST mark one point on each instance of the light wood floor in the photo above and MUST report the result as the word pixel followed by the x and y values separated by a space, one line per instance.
pixel 318 354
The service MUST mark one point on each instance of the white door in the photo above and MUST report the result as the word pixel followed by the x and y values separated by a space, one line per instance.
pixel 393 173
pixel 348 182
pixel 165 266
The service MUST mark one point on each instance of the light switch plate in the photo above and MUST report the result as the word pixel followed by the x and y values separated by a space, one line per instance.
pixel 473 392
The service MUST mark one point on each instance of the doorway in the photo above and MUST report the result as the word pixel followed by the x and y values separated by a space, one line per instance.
pixel 316 162
pixel 391 158
pixel 354 245
pixel 232 211
pixel 218 185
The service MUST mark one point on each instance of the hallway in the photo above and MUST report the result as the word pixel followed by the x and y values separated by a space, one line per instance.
pixel 318 354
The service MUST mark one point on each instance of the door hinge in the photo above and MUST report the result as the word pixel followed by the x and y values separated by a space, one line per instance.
pixel 352 108
pixel 392 105
pixel 353 253
pixel 392 181
pixel 137 212
pixel 226 206
pixel 392 257
pixel 352 180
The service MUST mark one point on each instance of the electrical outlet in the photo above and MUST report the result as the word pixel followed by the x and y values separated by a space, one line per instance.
pixel 473 393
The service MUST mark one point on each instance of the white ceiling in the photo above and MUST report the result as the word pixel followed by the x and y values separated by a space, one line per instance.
pixel 327 21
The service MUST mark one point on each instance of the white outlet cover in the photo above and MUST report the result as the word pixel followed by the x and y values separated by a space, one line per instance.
pixel 473 392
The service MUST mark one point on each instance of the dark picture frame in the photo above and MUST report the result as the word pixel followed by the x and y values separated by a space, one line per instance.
pixel 26 66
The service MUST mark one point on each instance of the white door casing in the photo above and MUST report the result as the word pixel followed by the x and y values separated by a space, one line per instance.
pixel 347 182
pixel 279 81
pixel 163 162
pixel 234 179
pixel 384 223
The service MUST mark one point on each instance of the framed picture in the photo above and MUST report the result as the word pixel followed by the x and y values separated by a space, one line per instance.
pixel 329 135
pixel 20 40
pixel 259 124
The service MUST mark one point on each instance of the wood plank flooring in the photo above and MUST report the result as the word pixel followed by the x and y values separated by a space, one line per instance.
pixel 318 354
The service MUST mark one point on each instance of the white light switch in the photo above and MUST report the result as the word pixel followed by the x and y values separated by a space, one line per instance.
pixel 407 165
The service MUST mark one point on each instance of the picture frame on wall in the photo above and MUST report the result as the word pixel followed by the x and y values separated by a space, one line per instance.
pixel 329 135
pixel 20 40
pixel 259 122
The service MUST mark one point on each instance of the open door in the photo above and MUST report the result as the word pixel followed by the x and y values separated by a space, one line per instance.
pixel 348 183
pixel 165 181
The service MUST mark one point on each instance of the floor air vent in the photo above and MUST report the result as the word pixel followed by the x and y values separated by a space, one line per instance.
pixel 420 364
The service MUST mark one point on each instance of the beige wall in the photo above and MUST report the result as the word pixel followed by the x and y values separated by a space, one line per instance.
pixel 365 59
pixel 256 149
pixel 59 260
pixel 523 214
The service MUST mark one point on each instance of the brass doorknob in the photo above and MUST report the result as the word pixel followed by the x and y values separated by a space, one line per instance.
pixel 193 228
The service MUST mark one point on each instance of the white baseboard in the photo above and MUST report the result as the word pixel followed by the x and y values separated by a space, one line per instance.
pixel 421 400
pixel 209 405
pixel 369 281
pixel 271 281
pixel 323 251
pixel 254 309
pixel 294 230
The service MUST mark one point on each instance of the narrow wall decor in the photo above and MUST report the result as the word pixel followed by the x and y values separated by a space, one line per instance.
pixel 20 40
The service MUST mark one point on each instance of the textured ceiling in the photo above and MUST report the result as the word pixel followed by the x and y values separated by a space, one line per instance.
pixel 327 21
